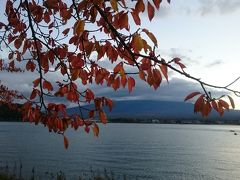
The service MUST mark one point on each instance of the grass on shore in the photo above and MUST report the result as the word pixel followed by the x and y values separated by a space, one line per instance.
pixel 15 173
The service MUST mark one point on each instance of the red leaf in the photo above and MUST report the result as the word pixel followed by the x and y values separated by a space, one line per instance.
pixel 131 84
pixel 215 106
pixel 66 143
pixel 30 66
pixel 66 31
pixel 89 95
pixel 136 18
pixel 46 17
pixel 18 43
pixel 36 82
pixel 103 117
pixel 223 104
pixel 206 109
pixel 118 68
pixel 34 94
pixel 87 129
pixel 164 71
pixel 142 75
pixel 91 114
pixel 151 11
pixel 198 106
pixel 157 3
pixel 109 103
pixel 191 95
pixel 177 61
pixel 47 85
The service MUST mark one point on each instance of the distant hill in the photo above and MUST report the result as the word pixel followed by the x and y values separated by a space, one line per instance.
pixel 165 111
pixel 7 114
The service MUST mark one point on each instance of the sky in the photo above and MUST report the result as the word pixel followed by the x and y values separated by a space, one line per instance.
pixel 205 34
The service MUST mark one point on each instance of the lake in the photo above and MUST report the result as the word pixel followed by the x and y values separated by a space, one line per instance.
pixel 145 151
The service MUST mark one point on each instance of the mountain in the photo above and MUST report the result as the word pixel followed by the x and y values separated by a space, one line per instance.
pixel 162 110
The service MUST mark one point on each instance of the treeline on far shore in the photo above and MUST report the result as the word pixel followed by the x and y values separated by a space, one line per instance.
pixel 7 114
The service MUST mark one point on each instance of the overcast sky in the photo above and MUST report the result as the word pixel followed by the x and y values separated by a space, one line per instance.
pixel 205 34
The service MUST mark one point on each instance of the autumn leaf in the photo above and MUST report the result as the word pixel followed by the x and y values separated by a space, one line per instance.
pixel 47 85
pixel 66 143
pixel 178 62
pixel 190 96
pixel 131 84
pixel 231 101
pixel 36 82
pixel 114 4
pixel 79 27
pixel 136 18
pixel 151 36
pixel 164 70
pixel 140 7
pixel 157 3
pixel 198 106
pixel 151 11
pixel 223 104
pixel 65 32
pixel 18 43
pixel 103 117
pixel 95 129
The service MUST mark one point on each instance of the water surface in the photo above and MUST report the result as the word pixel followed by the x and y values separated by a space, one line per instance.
pixel 146 151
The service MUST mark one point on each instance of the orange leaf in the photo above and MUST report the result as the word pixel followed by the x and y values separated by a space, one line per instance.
pixel 151 11
pixel 66 143
pixel 103 117
pixel 138 42
pixel 191 95
pixel 131 84
pixel 118 68
pixel 151 36
pixel 231 101
pixel 123 80
pixel 140 7
pixel 114 4
pixel 95 129
pixel 79 27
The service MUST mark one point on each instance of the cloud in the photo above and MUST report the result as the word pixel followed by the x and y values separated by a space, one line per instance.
pixel 218 6
pixel 214 63
pixel 186 55
pixel 175 90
